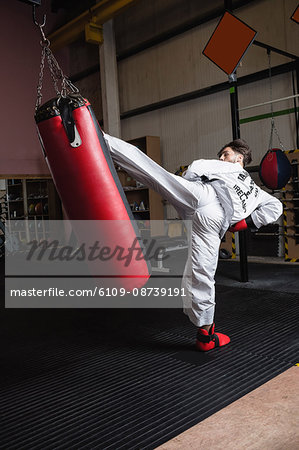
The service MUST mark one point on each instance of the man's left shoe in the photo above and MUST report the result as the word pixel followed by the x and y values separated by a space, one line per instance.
pixel 207 340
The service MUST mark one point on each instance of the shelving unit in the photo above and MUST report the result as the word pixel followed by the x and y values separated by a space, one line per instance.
pixel 3 212
pixel 35 201
pixel 145 203
pixel 15 199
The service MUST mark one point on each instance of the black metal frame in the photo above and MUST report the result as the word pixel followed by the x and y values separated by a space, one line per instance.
pixel 31 2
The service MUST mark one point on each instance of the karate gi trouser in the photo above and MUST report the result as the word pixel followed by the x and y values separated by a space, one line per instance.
pixel 194 201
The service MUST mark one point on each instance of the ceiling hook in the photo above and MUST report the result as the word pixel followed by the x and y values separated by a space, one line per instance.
pixel 40 25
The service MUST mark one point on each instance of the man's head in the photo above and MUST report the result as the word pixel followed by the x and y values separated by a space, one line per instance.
pixel 236 151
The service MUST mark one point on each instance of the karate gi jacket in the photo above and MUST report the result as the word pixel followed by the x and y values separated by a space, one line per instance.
pixel 238 194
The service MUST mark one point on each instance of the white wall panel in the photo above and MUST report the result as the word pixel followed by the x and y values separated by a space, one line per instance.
pixel 147 19
pixel 188 131
pixel 167 70
pixel 198 128
pixel 177 66
pixel 259 92
pixel 271 19
pixel 257 133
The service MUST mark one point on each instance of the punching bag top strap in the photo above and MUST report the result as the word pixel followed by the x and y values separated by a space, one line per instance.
pixel 51 107
pixel 65 109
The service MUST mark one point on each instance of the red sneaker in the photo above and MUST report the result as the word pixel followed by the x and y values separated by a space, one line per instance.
pixel 206 341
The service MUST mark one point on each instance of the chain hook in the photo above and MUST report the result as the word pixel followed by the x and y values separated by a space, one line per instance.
pixel 62 85
pixel 39 25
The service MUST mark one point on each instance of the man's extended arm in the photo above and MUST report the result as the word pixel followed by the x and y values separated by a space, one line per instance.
pixel 268 210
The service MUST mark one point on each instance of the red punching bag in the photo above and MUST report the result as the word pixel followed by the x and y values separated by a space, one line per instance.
pixel 87 183
pixel 85 178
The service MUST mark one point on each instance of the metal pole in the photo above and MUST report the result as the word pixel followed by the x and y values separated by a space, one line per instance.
pixel 228 5
pixel 269 102
pixel 236 135
pixel 296 112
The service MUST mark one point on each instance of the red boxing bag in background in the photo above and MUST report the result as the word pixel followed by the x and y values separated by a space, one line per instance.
pixel 87 183
pixel 275 169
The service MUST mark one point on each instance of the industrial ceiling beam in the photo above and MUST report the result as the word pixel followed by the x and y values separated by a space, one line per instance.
pixel 99 13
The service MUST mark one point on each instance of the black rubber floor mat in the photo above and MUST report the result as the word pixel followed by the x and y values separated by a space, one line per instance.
pixel 131 379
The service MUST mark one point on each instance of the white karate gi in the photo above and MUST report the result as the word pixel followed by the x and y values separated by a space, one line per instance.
pixel 212 194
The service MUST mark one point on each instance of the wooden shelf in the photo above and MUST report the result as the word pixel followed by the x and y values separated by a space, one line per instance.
pixel 32 191
pixel 132 189
pixel 140 210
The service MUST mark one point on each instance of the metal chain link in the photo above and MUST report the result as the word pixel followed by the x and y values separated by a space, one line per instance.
pixel 40 80
pixel 66 86
pixel 55 71
pixel 273 127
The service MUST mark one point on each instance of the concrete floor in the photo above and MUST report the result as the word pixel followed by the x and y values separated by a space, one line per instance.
pixel 265 419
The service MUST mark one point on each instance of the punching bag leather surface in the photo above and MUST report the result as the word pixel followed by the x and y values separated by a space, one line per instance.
pixel 86 180
pixel 275 169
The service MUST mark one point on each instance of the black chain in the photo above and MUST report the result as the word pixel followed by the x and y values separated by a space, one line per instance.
pixel 62 85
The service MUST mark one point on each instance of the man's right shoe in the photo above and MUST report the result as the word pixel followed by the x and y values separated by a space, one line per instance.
pixel 207 340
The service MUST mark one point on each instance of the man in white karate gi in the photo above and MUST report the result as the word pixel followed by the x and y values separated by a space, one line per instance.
pixel 214 195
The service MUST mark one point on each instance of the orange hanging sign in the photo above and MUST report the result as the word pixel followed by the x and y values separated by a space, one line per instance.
pixel 295 15
pixel 229 42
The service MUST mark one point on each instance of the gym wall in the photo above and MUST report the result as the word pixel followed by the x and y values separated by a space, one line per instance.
pixel 20 64
pixel 255 127
pixel 188 130
pixel 82 57
pixel 199 127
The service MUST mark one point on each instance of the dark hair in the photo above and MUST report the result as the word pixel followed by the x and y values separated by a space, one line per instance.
pixel 239 146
